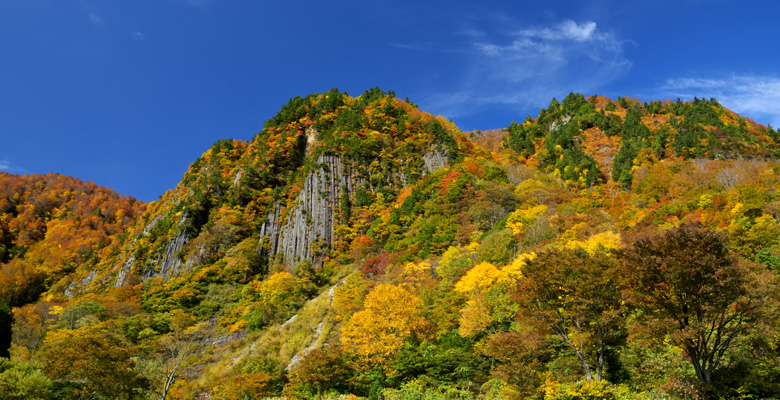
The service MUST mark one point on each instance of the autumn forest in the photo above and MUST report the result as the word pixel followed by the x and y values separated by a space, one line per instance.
pixel 362 248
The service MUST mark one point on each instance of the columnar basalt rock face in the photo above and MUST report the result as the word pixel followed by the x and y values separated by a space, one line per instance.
pixel 310 222
pixel 302 230
pixel 307 233
pixel 168 262
pixel 124 271
pixel 434 160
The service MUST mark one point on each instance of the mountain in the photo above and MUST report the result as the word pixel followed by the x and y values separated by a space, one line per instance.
pixel 361 245
pixel 51 225
pixel 607 138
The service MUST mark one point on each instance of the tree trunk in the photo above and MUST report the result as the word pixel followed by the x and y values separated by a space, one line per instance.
pixel 585 365
pixel 584 362
pixel 701 372
pixel 600 366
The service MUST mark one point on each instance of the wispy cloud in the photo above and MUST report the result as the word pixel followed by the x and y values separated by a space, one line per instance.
pixel 95 19
pixel 415 47
pixel 139 35
pixel 755 96
pixel 567 30
pixel 8 166
pixel 532 64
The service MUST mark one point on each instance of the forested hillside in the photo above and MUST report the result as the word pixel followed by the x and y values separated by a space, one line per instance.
pixel 50 225
pixel 358 246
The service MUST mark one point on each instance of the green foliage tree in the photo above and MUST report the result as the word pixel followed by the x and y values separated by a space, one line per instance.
pixel 320 371
pixel 633 115
pixel 448 360
pixel 520 138
pixel 331 100
pixel 565 158
pixel 576 297
pixel 611 125
pixel 94 360
pixel 22 381
pixel 498 247
pixel 81 314
pixel 162 367
pixel 689 287
pixel 624 161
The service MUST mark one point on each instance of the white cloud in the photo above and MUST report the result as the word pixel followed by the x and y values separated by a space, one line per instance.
pixel 95 19
pixel 139 35
pixel 530 66
pixel 754 96
pixel 567 30
pixel 414 47
pixel 8 166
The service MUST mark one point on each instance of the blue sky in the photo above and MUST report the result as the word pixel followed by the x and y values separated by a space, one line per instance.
pixel 128 93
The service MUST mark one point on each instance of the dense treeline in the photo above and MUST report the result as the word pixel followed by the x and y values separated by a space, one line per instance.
pixel 692 130
pixel 49 226
pixel 610 250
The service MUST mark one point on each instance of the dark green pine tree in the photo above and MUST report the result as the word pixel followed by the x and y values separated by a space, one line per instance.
pixel 624 160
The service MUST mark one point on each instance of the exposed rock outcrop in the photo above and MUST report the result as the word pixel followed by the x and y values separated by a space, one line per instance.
pixel 75 288
pixel 124 271
pixel 434 160
pixel 168 262
pixel 302 230
pixel 307 231
pixel 310 222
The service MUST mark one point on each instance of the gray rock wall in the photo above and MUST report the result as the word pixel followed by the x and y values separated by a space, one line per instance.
pixel 308 231
pixel 313 215
pixel 305 232
pixel 167 263
pixel 434 159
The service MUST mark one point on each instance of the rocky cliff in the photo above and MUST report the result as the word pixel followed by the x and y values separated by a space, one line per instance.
pixel 288 189
pixel 308 231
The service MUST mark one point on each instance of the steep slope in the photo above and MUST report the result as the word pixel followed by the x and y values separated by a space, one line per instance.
pixel 585 141
pixel 50 225
pixel 301 189
pixel 360 245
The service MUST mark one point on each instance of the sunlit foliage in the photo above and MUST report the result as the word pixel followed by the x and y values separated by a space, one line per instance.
pixel 607 248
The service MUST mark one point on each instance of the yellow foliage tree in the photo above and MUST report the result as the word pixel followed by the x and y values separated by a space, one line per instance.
pixel 480 278
pixel 521 219
pixel 273 290
pixel 475 316
pixel 390 315
pixel 481 309
pixel 600 242
pixel 513 272
pixel 417 275
pixel 455 261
